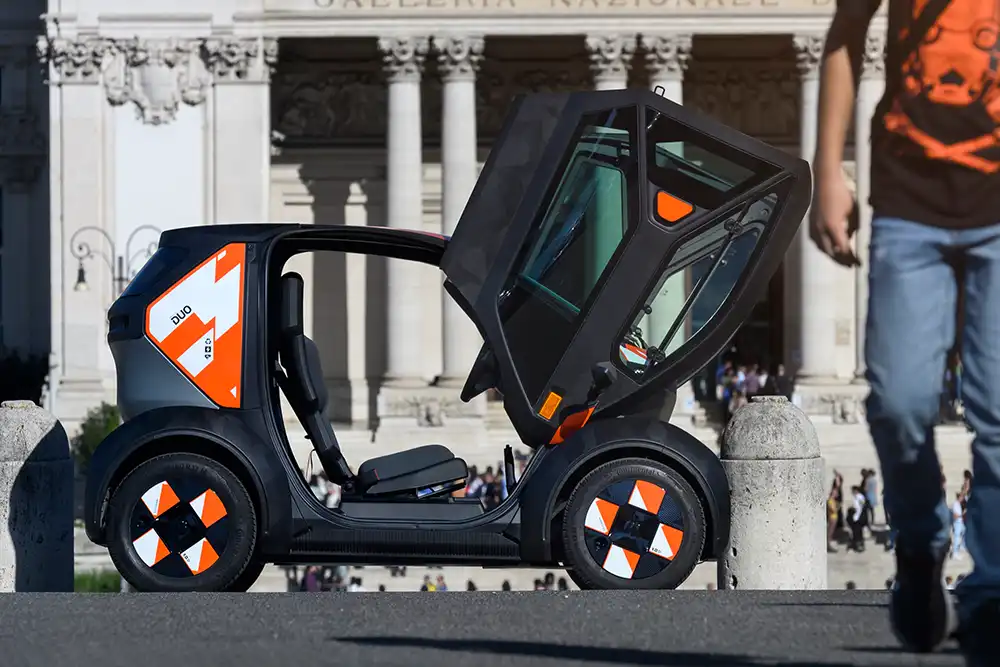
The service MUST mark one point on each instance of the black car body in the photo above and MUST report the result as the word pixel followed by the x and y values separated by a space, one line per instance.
pixel 587 205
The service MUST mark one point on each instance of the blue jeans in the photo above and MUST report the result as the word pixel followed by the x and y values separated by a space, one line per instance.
pixel 957 537
pixel 912 297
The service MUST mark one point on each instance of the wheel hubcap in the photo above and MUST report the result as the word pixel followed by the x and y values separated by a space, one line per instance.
pixel 179 527
pixel 634 529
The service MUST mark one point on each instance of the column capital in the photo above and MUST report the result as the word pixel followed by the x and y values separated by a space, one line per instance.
pixel 240 59
pixel 459 56
pixel 403 57
pixel 156 75
pixel 667 56
pixel 808 54
pixel 873 58
pixel 73 60
pixel 611 55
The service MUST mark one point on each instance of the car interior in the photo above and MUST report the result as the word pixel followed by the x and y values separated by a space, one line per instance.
pixel 421 472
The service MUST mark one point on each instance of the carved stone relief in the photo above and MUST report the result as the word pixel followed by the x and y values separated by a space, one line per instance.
pixel 74 60
pixel 760 98
pixel 331 101
pixel 346 102
pixel 157 75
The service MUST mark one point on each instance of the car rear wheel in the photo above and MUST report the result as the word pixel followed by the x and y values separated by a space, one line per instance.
pixel 183 523
pixel 633 524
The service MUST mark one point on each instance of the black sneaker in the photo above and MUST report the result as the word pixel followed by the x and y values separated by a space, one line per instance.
pixel 978 636
pixel 922 612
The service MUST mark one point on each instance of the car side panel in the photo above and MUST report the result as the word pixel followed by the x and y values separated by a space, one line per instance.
pixel 147 380
pixel 601 439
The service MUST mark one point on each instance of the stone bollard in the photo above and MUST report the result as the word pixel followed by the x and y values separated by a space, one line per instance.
pixel 36 501
pixel 777 539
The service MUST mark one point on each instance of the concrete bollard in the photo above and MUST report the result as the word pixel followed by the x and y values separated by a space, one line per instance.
pixel 776 475
pixel 36 501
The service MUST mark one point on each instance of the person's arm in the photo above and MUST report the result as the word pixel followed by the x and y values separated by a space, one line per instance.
pixel 838 83
pixel 833 203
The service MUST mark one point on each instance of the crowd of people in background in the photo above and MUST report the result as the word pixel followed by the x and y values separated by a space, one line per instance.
pixel 316 579
pixel 852 515
pixel 736 383
pixel 488 485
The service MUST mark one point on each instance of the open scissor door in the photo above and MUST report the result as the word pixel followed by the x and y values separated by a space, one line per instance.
pixel 615 228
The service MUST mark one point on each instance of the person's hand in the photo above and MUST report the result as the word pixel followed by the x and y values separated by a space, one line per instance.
pixel 833 217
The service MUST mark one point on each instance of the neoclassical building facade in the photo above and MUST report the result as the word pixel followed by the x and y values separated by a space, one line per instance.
pixel 120 120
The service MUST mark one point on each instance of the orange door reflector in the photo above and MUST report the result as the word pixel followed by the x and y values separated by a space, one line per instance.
pixel 571 425
pixel 670 208
pixel 550 405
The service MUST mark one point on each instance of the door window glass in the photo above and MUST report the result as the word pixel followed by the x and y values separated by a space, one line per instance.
pixel 694 285
pixel 584 223
pixel 697 169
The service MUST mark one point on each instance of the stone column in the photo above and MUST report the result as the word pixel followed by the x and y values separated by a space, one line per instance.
pixel 458 62
pixel 77 164
pixel 667 58
pixel 240 138
pixel 403 59
pixel 870 90
pixel 816 271
pixel 610 59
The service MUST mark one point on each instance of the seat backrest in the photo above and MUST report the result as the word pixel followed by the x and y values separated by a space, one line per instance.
pixel 306 388
pixel 299 354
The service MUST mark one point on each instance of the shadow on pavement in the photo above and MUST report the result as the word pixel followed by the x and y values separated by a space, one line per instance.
pixel 620 656
pixel 871 605
pixel 886 650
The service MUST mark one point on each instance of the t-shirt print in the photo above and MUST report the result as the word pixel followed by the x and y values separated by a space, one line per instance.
pixel 947 103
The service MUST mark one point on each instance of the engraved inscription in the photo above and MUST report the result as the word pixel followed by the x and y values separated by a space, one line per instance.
pixel 554 5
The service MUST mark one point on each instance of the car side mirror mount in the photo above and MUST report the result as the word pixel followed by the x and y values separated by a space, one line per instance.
pixel 603 375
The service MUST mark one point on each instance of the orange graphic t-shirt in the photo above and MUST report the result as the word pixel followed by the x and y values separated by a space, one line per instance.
pixel 936 136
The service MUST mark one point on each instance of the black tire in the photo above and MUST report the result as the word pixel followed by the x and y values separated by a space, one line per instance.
pixel 634 531
pixel 177 531
pixel 249 577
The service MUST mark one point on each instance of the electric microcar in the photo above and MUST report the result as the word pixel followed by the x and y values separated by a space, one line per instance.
pixel 612 246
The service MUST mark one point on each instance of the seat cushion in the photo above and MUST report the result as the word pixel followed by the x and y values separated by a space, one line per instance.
pixel 428 482
pixel 402 463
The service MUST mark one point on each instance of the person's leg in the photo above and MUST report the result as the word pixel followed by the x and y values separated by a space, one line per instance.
pixel 979 593
pixel 910 327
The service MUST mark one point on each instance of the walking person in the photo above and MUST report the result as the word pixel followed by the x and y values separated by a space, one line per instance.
pixel 871 495
pixel 857 520
pixel 957 527
pixel 935 196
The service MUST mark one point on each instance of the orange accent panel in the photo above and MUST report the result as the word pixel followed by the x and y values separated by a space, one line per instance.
pixel 167 499
pixel 161 551
pixel 652 495
pixel 208 557
pixel 213 509
pixel 673 537
pixel 198 325
pixel 632 558
pixel 550 405
pixel 670 208
pixel 571 425
pixel 608 512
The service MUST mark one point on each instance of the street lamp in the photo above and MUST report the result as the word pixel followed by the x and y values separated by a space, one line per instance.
pixel 119 265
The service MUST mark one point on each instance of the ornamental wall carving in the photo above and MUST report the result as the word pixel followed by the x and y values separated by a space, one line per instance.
pixel 156 75
pixel 324 102
pixel 346 102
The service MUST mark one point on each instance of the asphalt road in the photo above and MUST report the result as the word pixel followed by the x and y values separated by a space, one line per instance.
pixel 676 629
